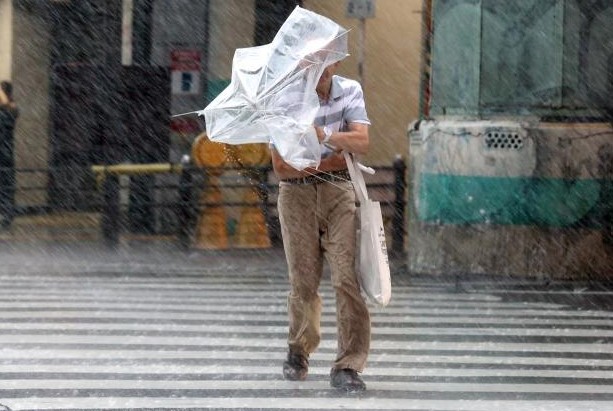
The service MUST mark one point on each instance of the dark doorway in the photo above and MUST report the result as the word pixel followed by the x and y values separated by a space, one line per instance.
pixel 103 112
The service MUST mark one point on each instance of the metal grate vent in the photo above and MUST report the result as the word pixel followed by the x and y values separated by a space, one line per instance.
pixel 504 140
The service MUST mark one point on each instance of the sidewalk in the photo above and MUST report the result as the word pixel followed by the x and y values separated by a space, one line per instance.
pixel 74 239
pixel 66 243
pixel 61 226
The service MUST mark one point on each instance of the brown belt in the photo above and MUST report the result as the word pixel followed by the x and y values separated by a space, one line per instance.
pixel 328 176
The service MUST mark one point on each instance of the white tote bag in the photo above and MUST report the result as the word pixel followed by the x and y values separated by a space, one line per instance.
pixel 373 264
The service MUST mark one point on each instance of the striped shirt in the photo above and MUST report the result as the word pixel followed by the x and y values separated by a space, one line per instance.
pixel 344 106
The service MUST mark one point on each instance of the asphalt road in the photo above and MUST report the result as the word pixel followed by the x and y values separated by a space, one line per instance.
pixel 149 327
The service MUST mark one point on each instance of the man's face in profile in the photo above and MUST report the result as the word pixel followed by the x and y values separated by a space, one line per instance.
pixel 326 76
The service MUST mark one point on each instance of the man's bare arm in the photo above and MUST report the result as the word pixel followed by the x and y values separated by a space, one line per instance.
pixel 355 140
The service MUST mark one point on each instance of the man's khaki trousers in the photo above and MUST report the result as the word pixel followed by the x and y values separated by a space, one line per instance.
pixel 317 221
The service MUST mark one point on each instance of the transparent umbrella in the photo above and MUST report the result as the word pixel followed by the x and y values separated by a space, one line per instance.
pixel 271 97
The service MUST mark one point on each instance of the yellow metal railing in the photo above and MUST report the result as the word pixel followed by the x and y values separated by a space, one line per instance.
pixel 137 169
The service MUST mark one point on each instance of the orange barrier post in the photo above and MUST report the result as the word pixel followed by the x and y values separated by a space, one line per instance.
pixel 252 231
pixel 211 231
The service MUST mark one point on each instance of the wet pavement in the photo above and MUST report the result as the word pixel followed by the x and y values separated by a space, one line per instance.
pixel 151 327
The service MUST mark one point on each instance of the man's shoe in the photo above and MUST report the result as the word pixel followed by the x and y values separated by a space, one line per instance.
pixel 296 367
pixel 347 380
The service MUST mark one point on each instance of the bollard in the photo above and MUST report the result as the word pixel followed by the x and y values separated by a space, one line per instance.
pixel 141 204
pixel 398 220
pixel 185 210
pixel 111 210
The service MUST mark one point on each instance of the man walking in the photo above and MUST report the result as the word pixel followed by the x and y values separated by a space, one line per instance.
pixel 317 215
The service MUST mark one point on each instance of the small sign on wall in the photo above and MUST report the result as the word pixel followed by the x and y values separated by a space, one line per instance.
pixel 185 71
pixel 360 9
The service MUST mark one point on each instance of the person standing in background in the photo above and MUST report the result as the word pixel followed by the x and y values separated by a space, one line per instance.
pixel 8 117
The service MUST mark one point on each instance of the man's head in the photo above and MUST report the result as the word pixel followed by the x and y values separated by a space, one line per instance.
pixel 325 81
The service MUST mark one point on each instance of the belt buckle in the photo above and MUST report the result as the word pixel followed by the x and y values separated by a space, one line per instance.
pixel 299 180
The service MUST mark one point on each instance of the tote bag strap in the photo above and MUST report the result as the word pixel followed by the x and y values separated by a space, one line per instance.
pixel 359 185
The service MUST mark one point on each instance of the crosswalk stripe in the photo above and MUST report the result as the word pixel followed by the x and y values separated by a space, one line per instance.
pixel 246 328
pixel 274 370
pixel 240 301
pixel 247 385
pixel 11 311
pixel 198 318
pixel 279 306
pixel 310 403
pixel 9 354
pixel 326 343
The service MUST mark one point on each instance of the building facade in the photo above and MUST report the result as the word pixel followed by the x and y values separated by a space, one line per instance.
pixel 194 41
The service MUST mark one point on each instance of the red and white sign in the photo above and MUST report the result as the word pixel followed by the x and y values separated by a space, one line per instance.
pixel 185 71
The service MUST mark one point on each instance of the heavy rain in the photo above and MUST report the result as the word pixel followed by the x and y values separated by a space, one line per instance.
pixel 409 205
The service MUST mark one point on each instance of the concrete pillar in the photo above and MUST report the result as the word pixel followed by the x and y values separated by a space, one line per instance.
pixel 231 27
pixel 30 64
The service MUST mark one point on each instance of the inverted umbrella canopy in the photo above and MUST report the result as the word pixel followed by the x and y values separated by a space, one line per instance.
pixel 272 97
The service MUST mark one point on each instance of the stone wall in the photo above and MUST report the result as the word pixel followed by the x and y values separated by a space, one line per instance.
pixel 551 217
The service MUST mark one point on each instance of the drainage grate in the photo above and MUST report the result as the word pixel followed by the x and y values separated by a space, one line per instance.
pixel 504 140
